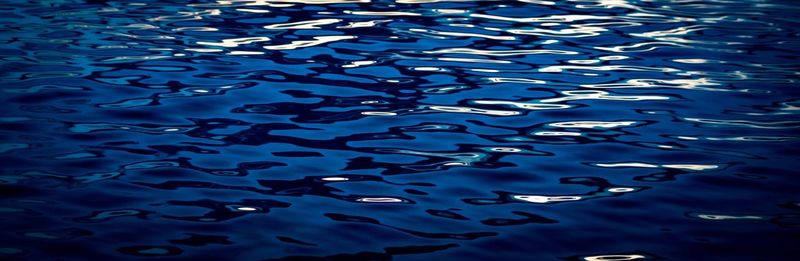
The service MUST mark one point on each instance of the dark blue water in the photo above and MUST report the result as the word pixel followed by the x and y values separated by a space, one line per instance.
pixel 406 130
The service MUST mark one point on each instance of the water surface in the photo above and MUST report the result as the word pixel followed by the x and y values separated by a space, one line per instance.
pixel 406 130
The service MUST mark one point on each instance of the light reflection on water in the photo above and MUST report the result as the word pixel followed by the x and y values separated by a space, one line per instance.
pixel 408 129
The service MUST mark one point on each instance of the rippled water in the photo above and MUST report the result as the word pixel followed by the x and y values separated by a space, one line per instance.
pixel 409 129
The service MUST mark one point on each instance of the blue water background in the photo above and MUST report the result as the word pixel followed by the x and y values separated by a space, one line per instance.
pixel 405 130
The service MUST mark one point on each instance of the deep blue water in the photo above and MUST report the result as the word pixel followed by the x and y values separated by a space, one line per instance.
pixel 406 130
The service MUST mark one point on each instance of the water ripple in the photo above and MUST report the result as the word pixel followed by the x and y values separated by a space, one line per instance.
pixel 408 129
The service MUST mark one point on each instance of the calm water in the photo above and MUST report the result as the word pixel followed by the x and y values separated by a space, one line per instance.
pixel 406 130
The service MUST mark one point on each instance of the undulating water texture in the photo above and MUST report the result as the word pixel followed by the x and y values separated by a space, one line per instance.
pixel 400 130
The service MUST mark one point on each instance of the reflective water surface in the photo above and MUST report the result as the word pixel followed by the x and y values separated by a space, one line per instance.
pixel 407 130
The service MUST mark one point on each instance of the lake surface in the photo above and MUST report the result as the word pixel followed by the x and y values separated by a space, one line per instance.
pixel 404 130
